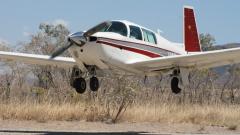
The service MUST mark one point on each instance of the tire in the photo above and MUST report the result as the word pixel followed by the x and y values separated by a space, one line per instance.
pixel 80 85
pixel 174 85
pixel 94 83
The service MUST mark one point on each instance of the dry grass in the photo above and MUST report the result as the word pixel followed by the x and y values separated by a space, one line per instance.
pixel 47 112
pixel 222 115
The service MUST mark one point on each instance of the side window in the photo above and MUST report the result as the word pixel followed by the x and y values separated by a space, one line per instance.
pixel 149 36
pixel 135 32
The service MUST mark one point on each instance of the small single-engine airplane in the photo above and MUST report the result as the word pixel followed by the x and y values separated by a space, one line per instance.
pixel 129 47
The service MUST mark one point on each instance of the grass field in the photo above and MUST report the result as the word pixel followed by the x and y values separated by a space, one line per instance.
pixel 219 115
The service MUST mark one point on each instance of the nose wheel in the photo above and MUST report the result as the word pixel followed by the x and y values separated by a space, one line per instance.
pixel 94 83
pixel 80 85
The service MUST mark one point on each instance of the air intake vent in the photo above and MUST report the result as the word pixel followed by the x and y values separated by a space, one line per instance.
pixel 92 38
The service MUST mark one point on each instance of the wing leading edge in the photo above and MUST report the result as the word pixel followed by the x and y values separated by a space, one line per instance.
pixel 198 60
pixel 38 59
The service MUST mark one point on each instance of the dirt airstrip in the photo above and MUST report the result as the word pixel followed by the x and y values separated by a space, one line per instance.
pixel 82 127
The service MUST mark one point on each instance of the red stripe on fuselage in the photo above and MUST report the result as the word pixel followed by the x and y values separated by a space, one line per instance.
pixel 143 52
pixel 140 44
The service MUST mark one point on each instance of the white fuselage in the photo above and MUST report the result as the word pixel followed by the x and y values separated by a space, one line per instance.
pixel 115 50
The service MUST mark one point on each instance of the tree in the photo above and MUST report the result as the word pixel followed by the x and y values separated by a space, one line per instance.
pixel 207 41
pixel 49 38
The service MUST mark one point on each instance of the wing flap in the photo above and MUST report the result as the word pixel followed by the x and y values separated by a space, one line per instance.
pixel 37 59
pixel 198 60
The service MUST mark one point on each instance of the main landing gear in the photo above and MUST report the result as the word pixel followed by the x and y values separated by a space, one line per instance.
pixel 175 82
pixel 79 83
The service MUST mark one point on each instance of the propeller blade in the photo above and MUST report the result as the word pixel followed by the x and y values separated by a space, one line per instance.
pixel 80 38
pixel 60 50
pixel 97 28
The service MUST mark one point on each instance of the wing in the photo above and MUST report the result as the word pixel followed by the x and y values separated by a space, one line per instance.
pixel 198 60
pixel 37 59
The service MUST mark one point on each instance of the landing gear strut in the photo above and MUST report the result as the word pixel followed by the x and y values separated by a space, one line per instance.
pixel 175 81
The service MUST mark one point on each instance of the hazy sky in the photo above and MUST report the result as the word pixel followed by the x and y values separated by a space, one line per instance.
pixel 220 18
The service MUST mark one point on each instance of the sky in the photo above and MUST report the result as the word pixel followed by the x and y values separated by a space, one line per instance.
pixel 20 18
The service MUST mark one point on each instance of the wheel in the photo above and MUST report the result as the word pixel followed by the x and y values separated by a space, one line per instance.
pixel 94 83
pixel 174 85
pixel 80 85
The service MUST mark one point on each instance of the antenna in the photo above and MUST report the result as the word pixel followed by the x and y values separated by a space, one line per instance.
pixel 159 31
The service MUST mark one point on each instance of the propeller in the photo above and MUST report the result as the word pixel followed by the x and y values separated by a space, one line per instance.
pixel 60 50
pixel 79 38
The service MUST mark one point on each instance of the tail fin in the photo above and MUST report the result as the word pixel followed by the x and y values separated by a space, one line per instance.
pixel 191 40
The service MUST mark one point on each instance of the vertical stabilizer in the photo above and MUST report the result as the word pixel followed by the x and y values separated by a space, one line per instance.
pixel 191 39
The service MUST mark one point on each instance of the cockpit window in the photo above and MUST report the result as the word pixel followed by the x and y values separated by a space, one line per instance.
pixel 149 36
pixel 116 27
pixel 135 32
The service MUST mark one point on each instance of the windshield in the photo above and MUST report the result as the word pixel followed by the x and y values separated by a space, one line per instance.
pixel 116 27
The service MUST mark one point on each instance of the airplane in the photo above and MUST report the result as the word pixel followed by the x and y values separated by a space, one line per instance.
pixel 131 48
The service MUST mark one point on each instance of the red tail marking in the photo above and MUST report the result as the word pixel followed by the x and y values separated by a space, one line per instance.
pixel 191 39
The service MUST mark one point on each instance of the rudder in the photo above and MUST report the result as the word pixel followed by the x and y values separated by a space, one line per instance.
pixel 191 39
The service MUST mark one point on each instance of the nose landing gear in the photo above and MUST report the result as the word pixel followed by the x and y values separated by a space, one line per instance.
pixel 79 83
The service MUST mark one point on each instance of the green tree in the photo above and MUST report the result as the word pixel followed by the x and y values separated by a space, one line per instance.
pixel 207 41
